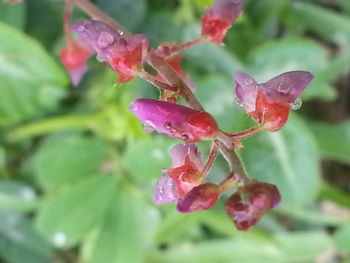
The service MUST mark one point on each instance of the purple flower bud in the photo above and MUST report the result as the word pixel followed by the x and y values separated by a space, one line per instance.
pixel 219 18
pixel 200 198
pixel 175 120
pixel 166 191
pixel 269 103
pixel 125 56
pixel 251 202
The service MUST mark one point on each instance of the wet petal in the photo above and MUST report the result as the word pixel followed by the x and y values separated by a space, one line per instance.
pixel 77 74
pixel 166 191
pixel 246 90
pixel 287 87
pixel 180 152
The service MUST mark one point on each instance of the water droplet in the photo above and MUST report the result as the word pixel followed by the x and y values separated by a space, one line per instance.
pixel 296 105
pixel 237 102
pixel 184 136
pixel 147 128
pixel 105 39
pixel 121 33
pixel 248 81
pixel 167 125
pixel 283 89
pixel 81 28
pixel 99 59
pixel 59 239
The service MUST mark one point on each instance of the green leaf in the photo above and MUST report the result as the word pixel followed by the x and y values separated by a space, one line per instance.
pixel 127 230
pixel 282 248
pixel 68 216
pixel 14 15
pixel 16 196
pixel 20 242
pixel 327 23
pixel 27 73
pixel 2 158
pixel 342 239
pixel 288 158
pixel 146 159
pixel 333 140
pixel 276 57
pixel 63 160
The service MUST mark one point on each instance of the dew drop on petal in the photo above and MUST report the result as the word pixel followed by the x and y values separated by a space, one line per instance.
pixel 184 136
pixel 59 239
pixel 283 89
pixel 105 39
pixel 248 81
pixel 147 128
pixel 167 125
pixel 237 102
pixel 99 59
pixel 296 105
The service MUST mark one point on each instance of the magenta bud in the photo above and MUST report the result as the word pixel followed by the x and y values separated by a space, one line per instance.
pixel 166 191
pixel 251 202
pixel 219 18
pixel 175 120
pixel 201 197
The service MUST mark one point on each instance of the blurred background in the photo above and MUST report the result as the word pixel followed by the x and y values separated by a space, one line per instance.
pixel 77 172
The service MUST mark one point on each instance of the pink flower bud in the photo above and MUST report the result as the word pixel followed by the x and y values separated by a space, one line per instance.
pixel 175 120
pixel 269 103
pixel 219 18
pixel 251 202
pixel 125 56
pixel 200 198
pixel 74 58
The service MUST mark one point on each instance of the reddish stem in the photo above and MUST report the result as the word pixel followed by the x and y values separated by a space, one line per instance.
pixel 175 50
pixel 246 133
pixel 211 159
pixel 68 8
pixel 155 81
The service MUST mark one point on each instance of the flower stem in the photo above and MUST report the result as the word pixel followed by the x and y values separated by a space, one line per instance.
pixel 246 133
pixel 211 159
pixel 228 182
pixel 176 49
pixel 51 125
pixel 155 81
pixel 68 8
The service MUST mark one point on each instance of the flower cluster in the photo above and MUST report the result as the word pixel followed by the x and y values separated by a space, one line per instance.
pixel 185 182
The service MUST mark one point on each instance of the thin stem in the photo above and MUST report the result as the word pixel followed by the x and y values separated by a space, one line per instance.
pixel 175 50
pixel 246 133
pixel 155 81
pixel 228 182
pixel 211 159
pixel 68 9
pixel 234 162
pixel 50 125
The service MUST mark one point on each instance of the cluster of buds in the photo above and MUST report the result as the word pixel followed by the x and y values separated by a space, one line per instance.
pixel 185 183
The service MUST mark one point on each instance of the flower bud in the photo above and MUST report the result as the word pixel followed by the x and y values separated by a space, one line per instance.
pixel 200 198
pixel 74 58
pixel 175 120
pixel 269 103
pixel 219 18
pixel 251 202
pixel 125 56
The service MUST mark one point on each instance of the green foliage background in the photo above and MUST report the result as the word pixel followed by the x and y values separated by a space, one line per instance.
pixel 77 171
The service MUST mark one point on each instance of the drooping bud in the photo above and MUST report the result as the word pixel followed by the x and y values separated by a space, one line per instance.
pixel 175 120
pixel 200 198
pixel 74 57
pixel 219 18
pixel 125 56
pixel 269 103
pixel 251 202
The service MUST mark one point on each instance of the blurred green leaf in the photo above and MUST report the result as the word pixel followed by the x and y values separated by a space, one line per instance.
pixel 64 160
pixel 68 216
pixel 126 231
pixel 342 239
pixel 2 158
pixel 16 196
pixel 276 57
pixel 20 242
pixel 128 13
pixel 14 15
pixel 333 140
pixel 331 25
pixel 146 159
pixel 283 248
pixel 27 72
pixel 288 158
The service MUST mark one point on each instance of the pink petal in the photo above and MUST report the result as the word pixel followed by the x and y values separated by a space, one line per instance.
pixel 226 10
pixel 166 191
pixel 246 90
pixel 181 151
pixel 77 74
pixel 287 87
